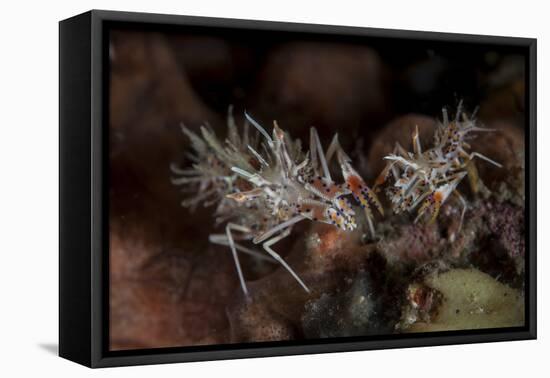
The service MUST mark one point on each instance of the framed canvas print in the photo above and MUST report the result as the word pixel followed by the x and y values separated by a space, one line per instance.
pixel 233 188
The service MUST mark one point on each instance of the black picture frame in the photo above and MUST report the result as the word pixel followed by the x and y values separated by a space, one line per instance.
pixel 83 232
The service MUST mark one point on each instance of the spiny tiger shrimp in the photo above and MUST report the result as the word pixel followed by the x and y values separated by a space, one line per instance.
pixel 263 186
pixel 428 178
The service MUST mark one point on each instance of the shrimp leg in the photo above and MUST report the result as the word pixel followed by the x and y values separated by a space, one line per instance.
pixel 228 228
pixel 267 246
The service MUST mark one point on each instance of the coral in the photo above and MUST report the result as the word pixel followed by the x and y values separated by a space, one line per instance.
pixel 403 242
pixel 353 312
pixel 256 322
pixel 492 239
pixel 152 291
pixel 461 299
pixel 506 222
pixel 325 257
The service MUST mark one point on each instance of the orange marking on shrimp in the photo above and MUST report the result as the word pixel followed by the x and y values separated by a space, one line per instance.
pixel 432 204
pixel 354 183
pixel 325 188
pixel 339 220
pixel 336 219
pixel 344 206
pixel 438 198
pixel 362 193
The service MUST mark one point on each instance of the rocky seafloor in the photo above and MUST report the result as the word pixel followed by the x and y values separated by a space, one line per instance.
pixel 170 287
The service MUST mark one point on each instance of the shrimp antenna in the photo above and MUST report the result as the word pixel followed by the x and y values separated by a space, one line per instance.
pixel 259 127
pixel 317 142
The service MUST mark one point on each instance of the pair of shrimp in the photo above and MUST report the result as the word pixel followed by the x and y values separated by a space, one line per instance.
pixel 263 187
pixel 264 184
pixel 427 179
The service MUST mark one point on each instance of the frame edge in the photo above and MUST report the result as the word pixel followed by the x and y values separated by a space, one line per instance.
pixel 97 359
pixel 74 189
